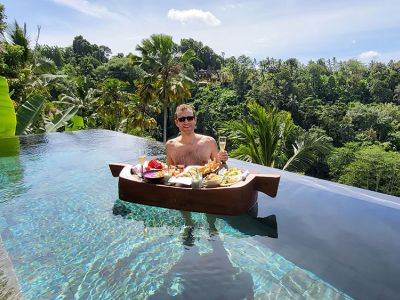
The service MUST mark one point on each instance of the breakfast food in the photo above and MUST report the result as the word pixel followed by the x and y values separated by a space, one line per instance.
pixel 233 172
pixel 191 172
pixel 229 180
pixel 210 167
pixel 175 171
pixel 155 164
pixel 213 177
pixel 152 174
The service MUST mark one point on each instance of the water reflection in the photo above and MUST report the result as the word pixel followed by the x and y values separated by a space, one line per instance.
pixel 210 275
pixel 196 273
pixel 238 226
pixel 9 146
pixel 11 170
pixel 35 140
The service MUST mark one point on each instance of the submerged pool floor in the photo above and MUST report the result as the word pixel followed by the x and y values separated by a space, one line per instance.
pixel 70 237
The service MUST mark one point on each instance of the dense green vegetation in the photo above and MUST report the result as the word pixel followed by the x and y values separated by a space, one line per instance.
pixel 338 120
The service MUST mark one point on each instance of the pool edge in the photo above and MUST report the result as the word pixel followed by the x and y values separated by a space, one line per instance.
pixel 9 284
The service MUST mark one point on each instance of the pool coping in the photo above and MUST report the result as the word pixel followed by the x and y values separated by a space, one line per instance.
pixel 9 284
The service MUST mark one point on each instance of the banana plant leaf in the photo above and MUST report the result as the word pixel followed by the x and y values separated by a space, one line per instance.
pixel 7 113
pixel 61 119
pixel 77 124
pixel 29 112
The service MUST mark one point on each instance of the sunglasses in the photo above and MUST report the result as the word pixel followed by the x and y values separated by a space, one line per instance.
pixel 189 118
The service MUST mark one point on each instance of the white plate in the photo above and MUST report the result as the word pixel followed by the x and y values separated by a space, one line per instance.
pixel 233 180
pixel 180 180
pixel 210 183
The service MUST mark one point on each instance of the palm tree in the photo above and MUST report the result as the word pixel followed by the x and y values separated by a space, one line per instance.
pixel 145 95
pixel 120 110
pixel 307 149
pixel 161 59
pixel 3 26
pixel 263 138
pixel 114 104
pixel 17 35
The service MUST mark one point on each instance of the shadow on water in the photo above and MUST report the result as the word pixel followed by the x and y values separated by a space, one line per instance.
pixel 210 275
pixel 197 274
pixel 239 226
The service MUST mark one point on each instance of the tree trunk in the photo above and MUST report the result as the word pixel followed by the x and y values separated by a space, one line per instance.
pixel 165 123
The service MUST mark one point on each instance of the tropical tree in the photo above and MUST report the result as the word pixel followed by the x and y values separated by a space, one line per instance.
pixel 119 110
pixel 17 35
pixel 382 118
pixel 121 68
pixel 341 157
pixel 308 148
pixel 165 65
pixel 351 81
pixel 112 107
pixel 145 108
pixel 80 95
pixel 238 73
pixel 373 168
pixel 263 139
pixel 3 24
pixel 215 105
pixel 53 53
pixel 206 59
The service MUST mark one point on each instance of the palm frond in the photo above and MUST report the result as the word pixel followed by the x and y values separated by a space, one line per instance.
pixel 307 149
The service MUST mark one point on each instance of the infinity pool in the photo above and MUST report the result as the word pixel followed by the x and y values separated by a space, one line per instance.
pixel 67 235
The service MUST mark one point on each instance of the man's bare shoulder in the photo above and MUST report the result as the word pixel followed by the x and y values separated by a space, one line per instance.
pixel 205 138
pixel 172 142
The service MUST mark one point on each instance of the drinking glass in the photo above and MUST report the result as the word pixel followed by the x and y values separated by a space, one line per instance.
pixel 167 175
pixel 197 180
pixel 141 159
pixel 222 143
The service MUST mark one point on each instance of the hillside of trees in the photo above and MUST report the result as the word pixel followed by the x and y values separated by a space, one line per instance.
pixel 336 120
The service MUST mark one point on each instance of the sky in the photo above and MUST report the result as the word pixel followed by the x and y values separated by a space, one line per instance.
pixel 304 29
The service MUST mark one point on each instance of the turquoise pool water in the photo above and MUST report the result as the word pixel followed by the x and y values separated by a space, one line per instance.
pixel 70 237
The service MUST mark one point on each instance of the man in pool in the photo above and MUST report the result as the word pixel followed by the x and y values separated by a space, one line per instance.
pixel 190 148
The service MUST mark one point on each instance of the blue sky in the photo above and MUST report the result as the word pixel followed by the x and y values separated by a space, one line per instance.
pixel 271 28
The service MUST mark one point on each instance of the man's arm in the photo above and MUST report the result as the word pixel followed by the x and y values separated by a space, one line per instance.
pixel 169 149
pixel 214 149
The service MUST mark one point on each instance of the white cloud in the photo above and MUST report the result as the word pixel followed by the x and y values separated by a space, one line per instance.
pixel 369 55
pixel 91 9
pixel 193 15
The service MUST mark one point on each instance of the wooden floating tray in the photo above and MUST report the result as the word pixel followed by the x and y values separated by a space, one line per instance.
pixel 230 200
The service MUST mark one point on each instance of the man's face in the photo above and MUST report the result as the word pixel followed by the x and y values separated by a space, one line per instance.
pixel 186 121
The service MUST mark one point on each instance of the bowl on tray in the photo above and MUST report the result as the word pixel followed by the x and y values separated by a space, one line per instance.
pixel 154 176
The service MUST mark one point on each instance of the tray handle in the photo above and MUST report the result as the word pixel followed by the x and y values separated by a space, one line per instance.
pixel 116 168
pixel 267 183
